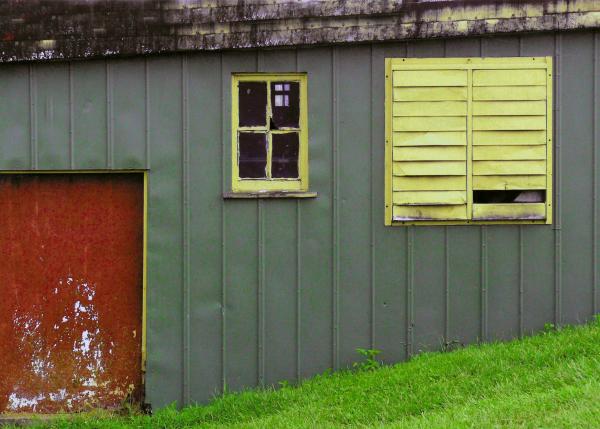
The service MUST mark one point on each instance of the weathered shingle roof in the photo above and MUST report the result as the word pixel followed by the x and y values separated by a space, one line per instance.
pixel 60 29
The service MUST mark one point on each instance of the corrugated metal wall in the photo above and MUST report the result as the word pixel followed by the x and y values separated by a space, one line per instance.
pixel 245 292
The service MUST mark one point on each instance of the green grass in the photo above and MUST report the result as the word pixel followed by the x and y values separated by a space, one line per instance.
pixel 551 380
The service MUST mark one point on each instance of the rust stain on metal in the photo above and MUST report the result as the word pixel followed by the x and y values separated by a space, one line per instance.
pixel 65 29
pixel 71 286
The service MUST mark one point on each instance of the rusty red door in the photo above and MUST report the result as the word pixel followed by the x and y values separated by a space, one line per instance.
pixel 71 287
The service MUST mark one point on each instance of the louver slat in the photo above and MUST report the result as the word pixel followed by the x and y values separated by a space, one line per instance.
pixel 430 108
pixel 503 183
pixel 435 78
pixel 514 152
pixel 527 211
pixel 429 168
pixel 423 213
pixel 432 153
pixel 432 198
pixel 497 93
pixel 430 138
pixel 500 123
pixel 499 108
pixel 448 93
pixel 505 138
pixel 430 123
pixel 429 183
pixel 529 77
pixel 490 168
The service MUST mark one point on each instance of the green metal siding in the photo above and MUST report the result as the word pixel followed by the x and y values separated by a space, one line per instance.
pixel 249 292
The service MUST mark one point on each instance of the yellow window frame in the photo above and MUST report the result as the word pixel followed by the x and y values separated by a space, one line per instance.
pixel 264 185
pixel 469 64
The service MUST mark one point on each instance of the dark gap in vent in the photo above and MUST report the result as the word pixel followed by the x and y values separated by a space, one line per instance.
pixel 504 197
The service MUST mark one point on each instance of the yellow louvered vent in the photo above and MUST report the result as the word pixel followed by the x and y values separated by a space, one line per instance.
pixel 468 140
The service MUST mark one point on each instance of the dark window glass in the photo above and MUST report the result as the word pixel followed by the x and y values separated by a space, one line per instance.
pixel 502 197
pixel 285 104
pixel 252 104
pixel 285 155
pixel 252 155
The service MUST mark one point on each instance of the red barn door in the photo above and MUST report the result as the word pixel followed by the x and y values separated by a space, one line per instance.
pixel 71 266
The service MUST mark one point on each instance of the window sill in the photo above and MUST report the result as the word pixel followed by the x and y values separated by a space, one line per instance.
pixel 269 194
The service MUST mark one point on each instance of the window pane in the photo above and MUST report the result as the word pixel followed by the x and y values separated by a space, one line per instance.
pixel 285 103
pixel 252 155
pixel 285 155
pixel 252 104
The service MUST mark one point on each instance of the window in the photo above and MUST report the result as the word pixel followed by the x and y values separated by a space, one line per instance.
pixel 468 140
pixel 269 133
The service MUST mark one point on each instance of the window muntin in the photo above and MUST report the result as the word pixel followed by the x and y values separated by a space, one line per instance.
pixel 468 140
pixel 269 132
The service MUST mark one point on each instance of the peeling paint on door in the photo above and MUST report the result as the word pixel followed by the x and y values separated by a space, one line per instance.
pixel 71 264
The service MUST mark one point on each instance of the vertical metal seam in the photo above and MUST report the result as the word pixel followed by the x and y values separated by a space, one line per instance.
pixel 261 270
pixel 409 270
pixel 147 112
pixel 147 201
pixel 335 210
pixel 261 294
pixel 71 122
pixel 296 59
pixel 446 286
pixel 409 291
pixel 469 148
pixel 557 177
pixel 298 271
pixel 484 283
pixel 596 99
pixel 520 39
pixel 109 117
pixel 298 289
pixel 521 282
pixel 520 228
pixel 483 262
pixel 224 142
pixel 185 228
pixel 372 203
pixel 446 260
pixel 33 117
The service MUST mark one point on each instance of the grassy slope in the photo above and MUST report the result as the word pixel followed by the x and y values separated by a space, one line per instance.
pixel 550 380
